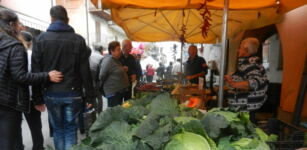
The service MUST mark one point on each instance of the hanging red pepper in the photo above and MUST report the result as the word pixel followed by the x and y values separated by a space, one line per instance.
pixel 206 15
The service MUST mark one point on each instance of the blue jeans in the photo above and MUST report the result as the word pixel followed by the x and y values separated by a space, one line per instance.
pixel 63 113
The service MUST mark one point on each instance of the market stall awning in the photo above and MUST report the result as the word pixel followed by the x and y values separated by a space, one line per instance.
pixel 171 25
pixel 179 4
pixel 285 5
pixel 174 20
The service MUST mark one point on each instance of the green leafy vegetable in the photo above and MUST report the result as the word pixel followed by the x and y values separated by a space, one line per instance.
pixel 188 141
pixel 116 136
pixel 164 105
pixel 214 123
pixel 82 147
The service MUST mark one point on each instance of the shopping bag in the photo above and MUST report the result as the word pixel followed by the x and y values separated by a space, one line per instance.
pixel 89 117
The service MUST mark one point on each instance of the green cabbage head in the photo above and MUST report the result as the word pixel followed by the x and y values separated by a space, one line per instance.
pixel 187 141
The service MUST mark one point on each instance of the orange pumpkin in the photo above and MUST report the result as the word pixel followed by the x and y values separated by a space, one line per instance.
pixel 193 102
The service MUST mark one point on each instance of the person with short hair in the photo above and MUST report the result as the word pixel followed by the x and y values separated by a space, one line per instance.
pixel 169 68
pixel 249 80
pixel 195 66
pixel 95 62
pixel 61 48
pixel 177 69
pixel 113 76
pixel 139 72
pixel 150 72
pixel 99 49
pixel 161 71
pixel 129 62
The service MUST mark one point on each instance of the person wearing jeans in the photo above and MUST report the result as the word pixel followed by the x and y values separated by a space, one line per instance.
pixel 62 49
pixel 63 112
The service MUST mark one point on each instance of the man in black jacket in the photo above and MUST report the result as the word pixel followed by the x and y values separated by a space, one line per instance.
pixel 129 63
pixel 62 49
pixel 196 66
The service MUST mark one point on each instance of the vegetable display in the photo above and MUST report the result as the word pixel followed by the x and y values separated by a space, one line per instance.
pixel 157 122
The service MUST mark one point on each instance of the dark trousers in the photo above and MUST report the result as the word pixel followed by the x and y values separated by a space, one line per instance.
pixel 127 94
pixel 10 122
pixel 99 103
pixel 116 99
pixel 149 79
pixel 252 116
pixel 35 124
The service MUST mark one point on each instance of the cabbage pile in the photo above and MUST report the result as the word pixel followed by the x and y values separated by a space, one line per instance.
pixel 157 122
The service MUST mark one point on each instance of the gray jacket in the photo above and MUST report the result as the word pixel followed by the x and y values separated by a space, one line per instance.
pixel 113 76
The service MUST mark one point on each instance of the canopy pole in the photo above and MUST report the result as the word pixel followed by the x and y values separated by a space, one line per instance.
pixel 224 49
pixel 87 24
pixel 181 78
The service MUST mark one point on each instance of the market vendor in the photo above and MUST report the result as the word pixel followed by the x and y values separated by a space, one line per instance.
pixel 196 66
pixel 249 80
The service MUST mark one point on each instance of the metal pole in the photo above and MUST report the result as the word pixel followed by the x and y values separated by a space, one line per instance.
pixel 181 77
pixel 224 49
pixel 87 28
pixel 181 55
pixel 300 98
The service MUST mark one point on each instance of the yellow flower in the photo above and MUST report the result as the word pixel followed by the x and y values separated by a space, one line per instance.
pixel 126 105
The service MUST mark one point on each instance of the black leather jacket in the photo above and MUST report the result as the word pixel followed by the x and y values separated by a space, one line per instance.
pixel 14 76
pixel 60 48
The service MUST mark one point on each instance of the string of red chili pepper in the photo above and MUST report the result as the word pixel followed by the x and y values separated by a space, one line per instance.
pixel 206 15
pixel 183 28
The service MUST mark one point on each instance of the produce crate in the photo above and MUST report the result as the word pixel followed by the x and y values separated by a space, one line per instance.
pixel 289 136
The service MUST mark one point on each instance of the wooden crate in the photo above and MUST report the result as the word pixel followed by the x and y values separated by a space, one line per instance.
pixel 187 92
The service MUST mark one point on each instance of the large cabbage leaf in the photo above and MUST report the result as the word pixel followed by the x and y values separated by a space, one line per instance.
pixel 214 123
pixel 155 130
pixel 163 105
pixel 116 136
pixel 131 115
pixel 250 144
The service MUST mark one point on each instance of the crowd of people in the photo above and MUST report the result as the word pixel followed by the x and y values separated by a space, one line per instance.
pixel 59 73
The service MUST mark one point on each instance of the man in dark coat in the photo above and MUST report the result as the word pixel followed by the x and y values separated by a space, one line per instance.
pixel 129 63
pixel 62 49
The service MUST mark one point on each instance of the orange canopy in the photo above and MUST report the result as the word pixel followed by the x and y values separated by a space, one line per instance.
pixel 154 25
pixel 180 4
pixel 161 20
pixel 285 5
